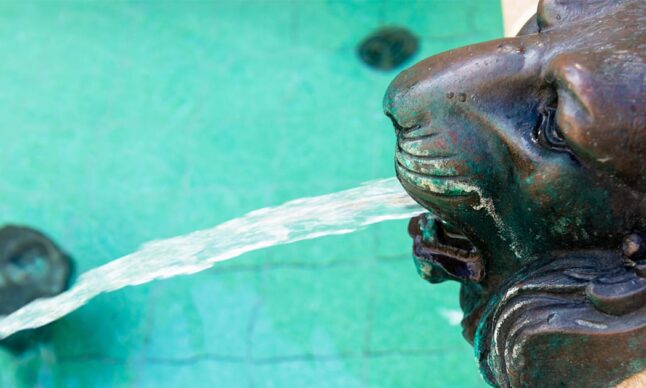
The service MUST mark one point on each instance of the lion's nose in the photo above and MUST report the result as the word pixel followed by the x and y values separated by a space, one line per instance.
pixel 390 110
pixel 399 129
pixel 398 103
pixel 468 79
pixel 396 125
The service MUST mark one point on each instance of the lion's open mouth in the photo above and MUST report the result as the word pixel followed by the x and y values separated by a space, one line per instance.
pixel 442 252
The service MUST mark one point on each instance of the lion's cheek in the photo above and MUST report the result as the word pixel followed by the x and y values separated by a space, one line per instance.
pixel 551 187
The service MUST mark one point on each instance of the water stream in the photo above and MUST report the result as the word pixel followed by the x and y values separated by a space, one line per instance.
pixel 301 219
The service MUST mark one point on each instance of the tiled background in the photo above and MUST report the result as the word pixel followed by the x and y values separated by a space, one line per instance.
pixel 123 122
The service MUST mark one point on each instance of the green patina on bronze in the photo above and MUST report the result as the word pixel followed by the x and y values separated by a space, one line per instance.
pixel 530 152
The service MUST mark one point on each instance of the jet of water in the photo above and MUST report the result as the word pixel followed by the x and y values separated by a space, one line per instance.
pixel 301 219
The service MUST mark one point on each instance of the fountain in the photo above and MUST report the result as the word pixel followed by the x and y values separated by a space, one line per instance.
pixel 528 152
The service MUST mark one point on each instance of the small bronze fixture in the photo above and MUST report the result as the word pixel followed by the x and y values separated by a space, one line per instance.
pixel 388 48
pixel 530 153
pixel 31 267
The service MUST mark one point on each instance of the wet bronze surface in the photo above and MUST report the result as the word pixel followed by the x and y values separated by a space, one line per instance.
pixel 530 153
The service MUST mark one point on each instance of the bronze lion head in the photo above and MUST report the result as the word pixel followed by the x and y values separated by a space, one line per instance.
pixel 530 153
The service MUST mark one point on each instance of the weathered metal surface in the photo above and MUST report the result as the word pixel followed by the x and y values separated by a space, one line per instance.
pixel 31 267
pixel 530 151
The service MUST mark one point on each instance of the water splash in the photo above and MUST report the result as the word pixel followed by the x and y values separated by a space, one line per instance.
pixel 302 219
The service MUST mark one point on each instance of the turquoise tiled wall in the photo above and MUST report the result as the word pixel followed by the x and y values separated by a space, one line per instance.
pixel 127 121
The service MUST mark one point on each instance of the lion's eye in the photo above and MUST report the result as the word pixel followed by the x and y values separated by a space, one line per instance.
pixel 547 132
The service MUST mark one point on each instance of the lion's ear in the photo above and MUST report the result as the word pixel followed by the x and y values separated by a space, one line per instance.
pixel 601 110
pixel 552 13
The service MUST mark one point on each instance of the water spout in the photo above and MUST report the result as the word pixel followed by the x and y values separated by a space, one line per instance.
pixel 301 219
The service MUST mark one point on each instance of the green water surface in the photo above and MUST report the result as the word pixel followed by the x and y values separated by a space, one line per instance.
pixel 123 122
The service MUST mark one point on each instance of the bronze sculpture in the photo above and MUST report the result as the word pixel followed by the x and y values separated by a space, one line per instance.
pixel 529 152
